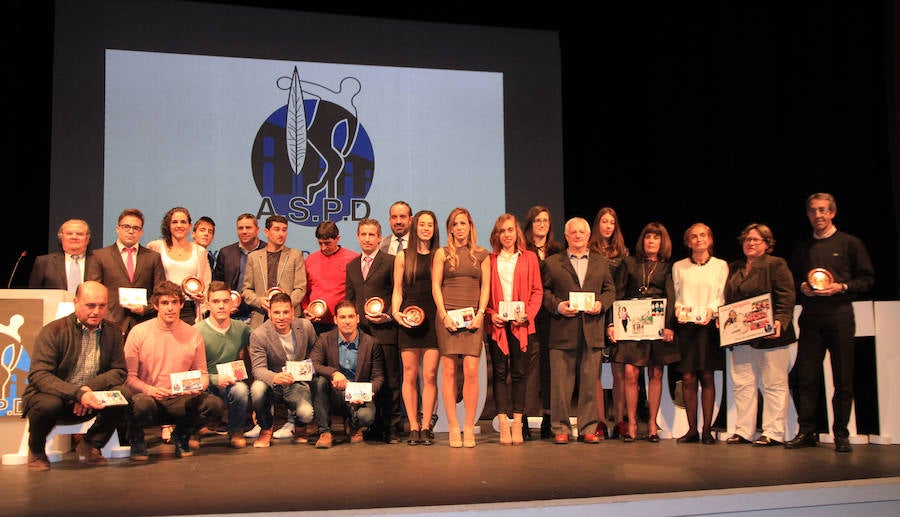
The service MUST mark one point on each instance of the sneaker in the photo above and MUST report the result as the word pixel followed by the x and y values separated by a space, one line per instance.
pixel 253 433
pixel 264 440
pixel 86 453
pixel 182 445
pixel 139 450
pixel 286 431
pixel 356 436
pixel 236 440
pixel 38 462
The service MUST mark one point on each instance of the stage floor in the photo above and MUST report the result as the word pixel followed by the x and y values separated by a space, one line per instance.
pixel 372 475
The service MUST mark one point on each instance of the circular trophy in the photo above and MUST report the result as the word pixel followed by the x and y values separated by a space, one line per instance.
pixel 236 298
pixel 192 287
pixel 413 316
pixel 374 306
pixel 819 278
pixel 317 308
pixel 274 290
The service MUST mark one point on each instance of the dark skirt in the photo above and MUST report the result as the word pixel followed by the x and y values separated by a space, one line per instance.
pixel 699 347
pixel 646 353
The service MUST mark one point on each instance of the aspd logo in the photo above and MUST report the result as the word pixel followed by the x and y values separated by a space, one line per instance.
pixel 312 160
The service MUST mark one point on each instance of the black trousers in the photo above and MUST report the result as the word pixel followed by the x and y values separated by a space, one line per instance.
pixel 509 398
pixel 46 411
pixel 834 332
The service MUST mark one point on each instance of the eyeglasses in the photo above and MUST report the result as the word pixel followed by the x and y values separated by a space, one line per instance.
pixel 129 228
pixel 753 240
pixel 818 210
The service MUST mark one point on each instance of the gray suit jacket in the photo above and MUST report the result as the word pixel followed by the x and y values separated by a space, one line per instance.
pixel 291 278
pixel 267 356
pixel 559 280
pixel 386 243
pixel 49 271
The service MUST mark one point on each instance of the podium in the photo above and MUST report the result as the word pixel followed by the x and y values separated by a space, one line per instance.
pixel 23 312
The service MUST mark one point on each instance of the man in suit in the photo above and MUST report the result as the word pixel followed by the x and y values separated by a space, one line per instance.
pixel 372 275
pixel 401 217
pixel 339 356
pixel 73 356
pixel 66 269
pixel 231 261
pixel 127 264
pixel 275 266
pixel 576 337
pixel 282 338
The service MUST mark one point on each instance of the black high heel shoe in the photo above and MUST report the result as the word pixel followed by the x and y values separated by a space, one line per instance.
pixel 414 437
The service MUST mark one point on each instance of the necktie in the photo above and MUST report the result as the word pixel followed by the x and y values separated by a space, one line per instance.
pixel 129 263
pixel 400 245
pixel 74 275
pixel 367 263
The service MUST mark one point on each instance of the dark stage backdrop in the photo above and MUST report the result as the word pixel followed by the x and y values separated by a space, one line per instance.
pixel 724 113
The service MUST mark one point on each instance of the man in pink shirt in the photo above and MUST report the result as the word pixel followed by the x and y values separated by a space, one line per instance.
pixel 155 350
pixel 326 275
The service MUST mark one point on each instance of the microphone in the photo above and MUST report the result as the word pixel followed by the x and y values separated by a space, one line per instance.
pixel 18 261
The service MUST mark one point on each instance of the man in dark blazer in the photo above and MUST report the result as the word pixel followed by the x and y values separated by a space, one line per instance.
pixel 110 266
pixel 64 376
pixel 576 335
pixel 231 261
pixel 378 282
pixel 53 270
pixel 345 354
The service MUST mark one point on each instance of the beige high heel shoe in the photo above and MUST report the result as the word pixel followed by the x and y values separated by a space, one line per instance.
pixel 505 435
pixel 469 437
pixel 453 439
pixel 516 435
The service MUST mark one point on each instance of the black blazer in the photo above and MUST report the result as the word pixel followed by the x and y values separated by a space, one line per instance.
pixel 108 268
pixel 369 363
pixel 768 274
pixel 49 271
pixel 380 283
pixel 228 265
pixel 559 280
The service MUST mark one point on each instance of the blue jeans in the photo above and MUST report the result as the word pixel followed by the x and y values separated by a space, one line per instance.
pixel 328 399
pixel 296 396
pixel 237 399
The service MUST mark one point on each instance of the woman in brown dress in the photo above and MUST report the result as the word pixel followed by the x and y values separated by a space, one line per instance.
pixel 460 281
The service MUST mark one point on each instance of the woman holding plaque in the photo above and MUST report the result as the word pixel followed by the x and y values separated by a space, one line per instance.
pixel 607 240
pixel 699 282
pixel 460 284
pixel 646 275
pixel 186 263
pixel 417 340
pixel 766 358
pixel 516 296
pixel 539 239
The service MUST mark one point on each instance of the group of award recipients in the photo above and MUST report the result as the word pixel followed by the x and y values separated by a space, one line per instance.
pixel 543 307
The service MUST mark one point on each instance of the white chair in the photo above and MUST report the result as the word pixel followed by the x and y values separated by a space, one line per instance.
pixel 59 441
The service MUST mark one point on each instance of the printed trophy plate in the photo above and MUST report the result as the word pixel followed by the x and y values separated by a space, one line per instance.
pixel 374 306
pixel 236 298
pixel 317 308
pixel 413 316
pixel 819 278
pixel 192 287
pixel 273 291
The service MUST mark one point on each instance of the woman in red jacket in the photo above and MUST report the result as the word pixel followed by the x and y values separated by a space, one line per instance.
pixel 516 293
